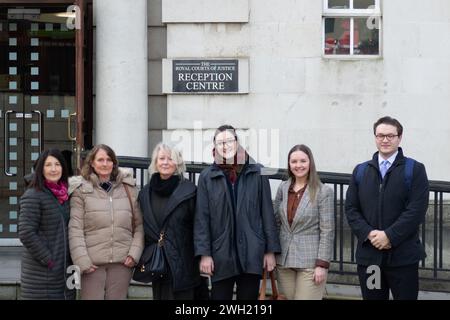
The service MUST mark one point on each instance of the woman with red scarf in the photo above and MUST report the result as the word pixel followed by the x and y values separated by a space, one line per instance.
pixel 43 220
pixel 235 232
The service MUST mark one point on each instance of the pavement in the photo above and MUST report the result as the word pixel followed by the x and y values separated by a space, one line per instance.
pixel 10 280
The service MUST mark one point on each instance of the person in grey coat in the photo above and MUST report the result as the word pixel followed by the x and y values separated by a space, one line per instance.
pixel 43 221
pixel 235 233
pixel 305 215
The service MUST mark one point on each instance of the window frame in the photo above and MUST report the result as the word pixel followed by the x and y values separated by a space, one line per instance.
pixel 351 14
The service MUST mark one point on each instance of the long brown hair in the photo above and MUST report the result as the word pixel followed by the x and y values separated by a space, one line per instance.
pixel 314 183
pixel 87 169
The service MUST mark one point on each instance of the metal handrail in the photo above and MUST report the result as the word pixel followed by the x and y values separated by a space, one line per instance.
pixel 434 267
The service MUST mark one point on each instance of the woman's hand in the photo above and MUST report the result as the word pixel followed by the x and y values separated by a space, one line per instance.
pixel 320 275
pixel 91 269
pixel 269 261
pixel 129 262
pixel 207 265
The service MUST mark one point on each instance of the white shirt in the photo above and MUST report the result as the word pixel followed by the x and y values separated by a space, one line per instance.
pixel 391 159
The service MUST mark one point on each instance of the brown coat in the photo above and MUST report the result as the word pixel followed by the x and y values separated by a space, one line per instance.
pixel 100 226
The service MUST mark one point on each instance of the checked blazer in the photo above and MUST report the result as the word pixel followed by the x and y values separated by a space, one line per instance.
pixel 311 235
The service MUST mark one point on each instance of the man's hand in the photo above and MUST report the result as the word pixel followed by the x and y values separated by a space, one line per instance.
pixel 379 240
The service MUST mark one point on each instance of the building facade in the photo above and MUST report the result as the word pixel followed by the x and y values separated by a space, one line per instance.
pixel 283 72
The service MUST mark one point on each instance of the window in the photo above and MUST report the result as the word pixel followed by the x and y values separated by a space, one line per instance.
pixel 352 28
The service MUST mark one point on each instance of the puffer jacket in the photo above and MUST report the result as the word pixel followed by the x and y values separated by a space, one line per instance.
pixel 43 232
pixel 102 228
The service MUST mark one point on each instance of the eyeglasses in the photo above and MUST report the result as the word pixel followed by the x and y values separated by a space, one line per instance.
pixel 389 137
pixel 228 143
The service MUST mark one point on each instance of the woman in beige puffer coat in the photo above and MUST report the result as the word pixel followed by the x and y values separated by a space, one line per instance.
pixel 105 234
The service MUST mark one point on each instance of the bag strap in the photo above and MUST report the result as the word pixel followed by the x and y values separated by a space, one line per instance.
pixel 262 290
pixel 274 286
pixel 360 172
pixel 409 168
pixel 131 205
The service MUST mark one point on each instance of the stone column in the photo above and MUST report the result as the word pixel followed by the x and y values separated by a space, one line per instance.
pixel 121 63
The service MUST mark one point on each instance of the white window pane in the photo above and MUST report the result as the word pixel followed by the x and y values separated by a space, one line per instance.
pixel 34 42
pixel 13 156
pixel 34 156
pixel 34 85
pixel 34 71
pixel 13 186
pixel 363 4
pixel 13 27
pixel 12 126
pixel 13 141
pixel 34 100
pixel 12 85
pixel 34 127
pixel 13 56
pixel 34 56
pixel 50 113
pixel 12 71
pixel 13 228
pixel 13 215
pixel 13 170
pixel 13 41
pixel 12 200
pixel 337 36
pixel 64 113
pixel 12 99
pixel 338 4
pixel 35 142
pixel 366 36
pixel 1 227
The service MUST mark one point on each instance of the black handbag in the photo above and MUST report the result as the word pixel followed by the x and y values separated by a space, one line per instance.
pixel 152 264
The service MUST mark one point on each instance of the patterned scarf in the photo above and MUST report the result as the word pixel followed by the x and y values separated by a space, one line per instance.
pixel 59 190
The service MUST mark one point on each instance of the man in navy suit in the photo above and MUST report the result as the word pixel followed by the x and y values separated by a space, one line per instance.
pixel 386 202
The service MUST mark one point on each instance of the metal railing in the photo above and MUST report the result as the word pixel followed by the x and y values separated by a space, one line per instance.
pixel 435 267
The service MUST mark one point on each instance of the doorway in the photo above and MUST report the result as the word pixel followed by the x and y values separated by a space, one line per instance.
pixel 37 97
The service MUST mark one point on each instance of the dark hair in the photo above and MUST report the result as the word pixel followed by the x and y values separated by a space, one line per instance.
pixel 87 169
pixel 390 121
pixel 225 127
pixel 38 179
pixel 313 178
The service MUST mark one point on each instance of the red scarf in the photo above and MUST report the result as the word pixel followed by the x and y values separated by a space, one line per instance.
pixel 59 190
pixel 231 166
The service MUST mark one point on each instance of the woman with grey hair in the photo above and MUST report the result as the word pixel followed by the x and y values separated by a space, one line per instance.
pixel 168 206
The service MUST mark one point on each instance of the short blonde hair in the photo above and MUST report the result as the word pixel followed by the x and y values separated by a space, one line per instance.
pixel 174 154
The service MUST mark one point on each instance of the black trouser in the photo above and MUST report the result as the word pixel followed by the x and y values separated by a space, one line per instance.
pixel 403 281
pixel 247 287
pixel 163 290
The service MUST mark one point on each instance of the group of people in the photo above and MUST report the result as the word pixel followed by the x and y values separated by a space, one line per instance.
pixel 226 227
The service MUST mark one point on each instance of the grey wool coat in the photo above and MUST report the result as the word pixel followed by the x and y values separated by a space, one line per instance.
pixel 43 233
pixel 311 235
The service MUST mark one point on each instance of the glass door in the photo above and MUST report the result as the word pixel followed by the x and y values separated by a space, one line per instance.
pixel 37 97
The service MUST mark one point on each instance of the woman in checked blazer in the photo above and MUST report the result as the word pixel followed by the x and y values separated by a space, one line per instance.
pixel 304 213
